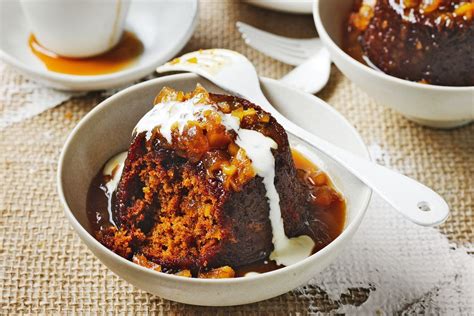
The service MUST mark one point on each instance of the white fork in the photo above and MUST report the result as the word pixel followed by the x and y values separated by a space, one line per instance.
pixel 309 55
pixel 234 72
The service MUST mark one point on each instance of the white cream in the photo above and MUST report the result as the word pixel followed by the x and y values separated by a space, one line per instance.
pixel 400 9
pixel 165 115
pixel 292 250
pixel 113 169
pixel 258 148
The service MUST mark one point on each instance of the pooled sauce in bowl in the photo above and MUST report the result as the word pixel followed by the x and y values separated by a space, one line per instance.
pixel 123 55
pixel 329 209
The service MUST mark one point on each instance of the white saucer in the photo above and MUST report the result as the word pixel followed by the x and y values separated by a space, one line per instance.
pixel 163 26
pixel 290 6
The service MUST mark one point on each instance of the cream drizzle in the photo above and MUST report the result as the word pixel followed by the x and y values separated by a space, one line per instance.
pixel 113 169
pixel 258 148
pixel 287 251
pixel 400 9
pixel 165 115
pixel 251 274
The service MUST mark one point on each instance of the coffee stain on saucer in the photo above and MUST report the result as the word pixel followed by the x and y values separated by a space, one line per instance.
pixel 123 55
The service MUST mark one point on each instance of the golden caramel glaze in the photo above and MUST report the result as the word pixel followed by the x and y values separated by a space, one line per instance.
pixel 207 140
pixel 435 13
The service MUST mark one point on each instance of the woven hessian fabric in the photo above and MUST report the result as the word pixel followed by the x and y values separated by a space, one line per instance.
pixel 44 266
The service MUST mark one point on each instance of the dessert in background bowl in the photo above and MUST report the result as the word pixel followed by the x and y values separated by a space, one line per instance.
pixel 110 124
pixel 429 41
pixel 428 44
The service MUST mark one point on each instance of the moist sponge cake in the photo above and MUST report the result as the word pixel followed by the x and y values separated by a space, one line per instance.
pixel 430 41
pixel 207 181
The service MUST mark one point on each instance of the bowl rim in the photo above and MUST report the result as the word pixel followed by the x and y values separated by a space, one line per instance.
pixel 292 7
pixel 129 72
pixel 327 40
pixel 84 234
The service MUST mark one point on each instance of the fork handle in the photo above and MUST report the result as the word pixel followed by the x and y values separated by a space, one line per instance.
pixel 412 199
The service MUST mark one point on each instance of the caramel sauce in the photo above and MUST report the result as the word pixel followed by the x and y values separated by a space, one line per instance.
pixel 329 219
pixel 333 215
pixel 352 46
pixel 124 54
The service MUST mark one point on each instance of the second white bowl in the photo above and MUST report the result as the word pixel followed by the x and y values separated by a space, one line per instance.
pixel 430 105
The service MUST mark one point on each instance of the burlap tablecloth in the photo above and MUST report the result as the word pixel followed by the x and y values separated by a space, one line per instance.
pixel 45 268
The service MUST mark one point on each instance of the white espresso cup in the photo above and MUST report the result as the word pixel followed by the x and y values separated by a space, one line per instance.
pixel 76 28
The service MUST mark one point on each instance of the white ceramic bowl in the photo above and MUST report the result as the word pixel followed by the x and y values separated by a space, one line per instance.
pixel 90 145
pixel 430 105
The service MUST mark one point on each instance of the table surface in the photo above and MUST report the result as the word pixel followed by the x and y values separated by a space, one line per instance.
pixel 44 267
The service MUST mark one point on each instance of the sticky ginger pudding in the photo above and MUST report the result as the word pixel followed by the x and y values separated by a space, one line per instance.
pixel 427 41
pixel 210 188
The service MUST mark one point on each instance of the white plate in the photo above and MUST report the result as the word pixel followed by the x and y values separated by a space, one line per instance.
pixel 290 6
pixel 81 158
pixel 164 27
